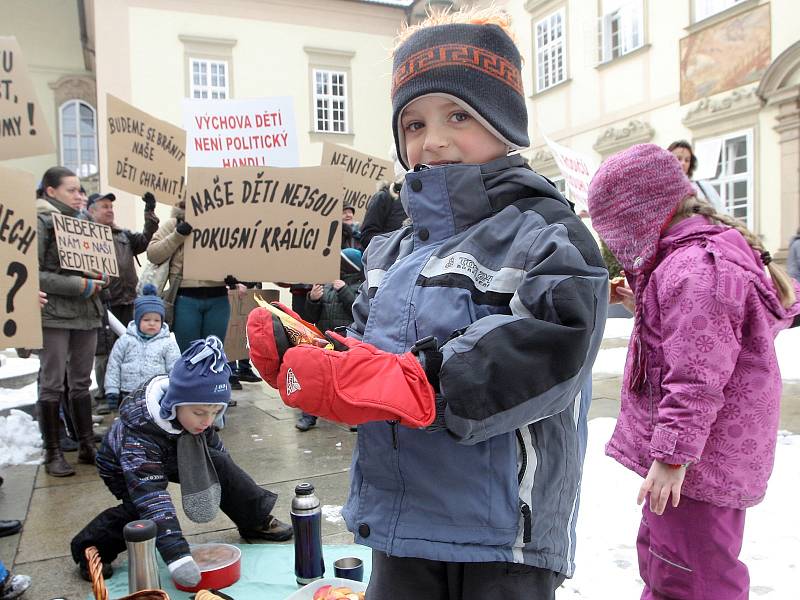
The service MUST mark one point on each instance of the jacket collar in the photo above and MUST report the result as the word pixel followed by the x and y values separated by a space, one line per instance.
pixel 443 200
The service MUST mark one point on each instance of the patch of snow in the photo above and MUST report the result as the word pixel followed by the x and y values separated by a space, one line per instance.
pixel 15 366
pixel 12 398
pixel 609 521
pixel 618 328
pixel 787 345
pixel 332 513
pixel 610 361
pixel 20 440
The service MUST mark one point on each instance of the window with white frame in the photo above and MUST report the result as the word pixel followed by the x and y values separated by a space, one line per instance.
pixel 330 101
pixel 733 179
pixel 706 8
pixel 551 60
pixel 78 137
pixel 209 79
pixel 621 28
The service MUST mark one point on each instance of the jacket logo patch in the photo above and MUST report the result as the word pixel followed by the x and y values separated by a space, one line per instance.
pixel 220 387
pixel 292 385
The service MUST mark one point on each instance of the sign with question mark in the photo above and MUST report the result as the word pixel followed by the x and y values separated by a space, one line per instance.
pixel 20 315
pixel 23 129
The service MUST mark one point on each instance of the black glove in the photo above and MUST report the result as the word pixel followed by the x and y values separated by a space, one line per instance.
pixel 183 228
pixel 231 282
pixel 149 201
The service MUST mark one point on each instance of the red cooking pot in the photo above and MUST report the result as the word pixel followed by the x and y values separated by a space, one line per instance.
pixel 220 566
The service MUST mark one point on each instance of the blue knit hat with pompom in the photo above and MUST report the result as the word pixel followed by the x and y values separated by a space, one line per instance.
pixel 148 302
pixel 200 376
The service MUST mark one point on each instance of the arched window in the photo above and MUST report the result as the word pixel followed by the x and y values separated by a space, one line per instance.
pixel 77 124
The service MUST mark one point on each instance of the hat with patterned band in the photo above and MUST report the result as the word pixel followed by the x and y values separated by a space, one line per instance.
pixel 477 65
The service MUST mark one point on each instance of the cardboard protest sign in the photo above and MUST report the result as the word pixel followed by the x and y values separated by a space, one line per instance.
pixel 238 133
pixel 21 321
pixel 85 246
pixel 363 174
pixel 241 305
pixel 577 170
pixel 23 129
pixel 264 224
pixel 145 154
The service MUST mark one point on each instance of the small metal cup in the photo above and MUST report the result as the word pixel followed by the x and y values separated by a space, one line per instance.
pixel 349 567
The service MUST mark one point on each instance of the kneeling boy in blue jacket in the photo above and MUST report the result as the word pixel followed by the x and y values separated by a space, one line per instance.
pixel 165 433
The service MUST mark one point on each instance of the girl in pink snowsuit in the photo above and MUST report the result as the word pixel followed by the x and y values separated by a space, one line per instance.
pixel 701 390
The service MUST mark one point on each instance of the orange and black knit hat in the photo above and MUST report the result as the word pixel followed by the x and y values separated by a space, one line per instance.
pixel 476 64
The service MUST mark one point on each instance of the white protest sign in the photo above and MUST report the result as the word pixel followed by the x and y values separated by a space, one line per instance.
pixel 577 170
pixel 84 245
pixel 240 133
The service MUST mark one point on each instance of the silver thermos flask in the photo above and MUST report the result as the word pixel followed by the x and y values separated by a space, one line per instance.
pixel 140 537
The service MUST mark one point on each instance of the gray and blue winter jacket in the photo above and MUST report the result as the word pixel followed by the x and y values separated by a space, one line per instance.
pixel 499 269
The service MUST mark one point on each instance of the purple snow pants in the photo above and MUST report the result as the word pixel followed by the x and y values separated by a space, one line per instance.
pixel 692 552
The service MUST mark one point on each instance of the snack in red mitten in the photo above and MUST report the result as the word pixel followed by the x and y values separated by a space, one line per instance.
pixel 267 341
pixel 358 386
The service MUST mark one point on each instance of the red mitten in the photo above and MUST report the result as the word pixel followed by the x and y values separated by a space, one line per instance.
pixel 268 342
pixel 360 385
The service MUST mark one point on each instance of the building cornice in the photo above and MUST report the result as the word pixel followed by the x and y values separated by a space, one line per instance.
pixel 542 161
pixel 712 110
pixel 615 139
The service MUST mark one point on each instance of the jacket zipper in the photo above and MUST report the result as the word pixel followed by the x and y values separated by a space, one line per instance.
pixel 526 519
pixel 524 509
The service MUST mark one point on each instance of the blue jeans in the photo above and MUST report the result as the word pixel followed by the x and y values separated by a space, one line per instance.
pixel 196 318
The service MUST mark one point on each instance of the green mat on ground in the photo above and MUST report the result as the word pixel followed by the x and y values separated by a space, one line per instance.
pixel 267 572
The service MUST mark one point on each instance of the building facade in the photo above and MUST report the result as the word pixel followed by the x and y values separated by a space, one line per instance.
pixel 723 74
pixel 600 75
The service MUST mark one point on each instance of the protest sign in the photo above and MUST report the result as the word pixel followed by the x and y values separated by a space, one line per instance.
pixel 577 170
pixel 241 305
pixel 264 224
pixel 363 174
pixel 85 246
pixel 238 133
pixel 23 129
pixel 19 280
pixel 145 154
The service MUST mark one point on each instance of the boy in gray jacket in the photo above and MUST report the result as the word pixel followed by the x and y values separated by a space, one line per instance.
pixel 147 349
pixel 468 365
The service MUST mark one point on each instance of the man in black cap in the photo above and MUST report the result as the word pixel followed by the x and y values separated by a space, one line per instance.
pixel 121 292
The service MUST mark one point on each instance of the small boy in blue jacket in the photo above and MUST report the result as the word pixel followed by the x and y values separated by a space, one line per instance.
pixel 145 350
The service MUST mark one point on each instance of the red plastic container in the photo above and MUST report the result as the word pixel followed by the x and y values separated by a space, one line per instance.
pixel 220 566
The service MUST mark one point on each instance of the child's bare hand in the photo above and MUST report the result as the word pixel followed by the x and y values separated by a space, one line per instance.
pixel 338 284
pixel 662 481
pixel 624 295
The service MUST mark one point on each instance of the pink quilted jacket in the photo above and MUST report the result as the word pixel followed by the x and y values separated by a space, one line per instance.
pixel 712 390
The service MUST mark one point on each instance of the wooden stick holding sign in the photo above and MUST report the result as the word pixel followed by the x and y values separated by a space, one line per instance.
pixel 363 175
pixel 263 224
pixel 20 316
pixel 85 246
pixel 241 305
pixel 145 154
pixel 23 130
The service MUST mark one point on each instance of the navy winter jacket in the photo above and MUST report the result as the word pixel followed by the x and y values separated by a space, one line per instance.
pixel 499 269
pixel 139 457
